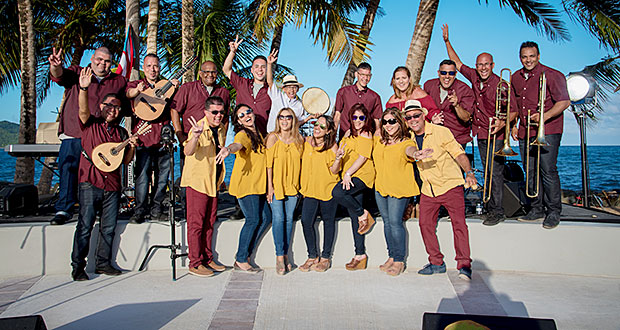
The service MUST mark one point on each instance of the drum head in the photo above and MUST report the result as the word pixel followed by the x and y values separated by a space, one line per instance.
pixel 315 101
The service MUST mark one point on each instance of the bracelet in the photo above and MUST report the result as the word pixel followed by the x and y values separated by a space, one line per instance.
pixel 347 173
pixel 84 88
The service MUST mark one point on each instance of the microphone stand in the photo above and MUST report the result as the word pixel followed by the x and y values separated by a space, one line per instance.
pixel 168 141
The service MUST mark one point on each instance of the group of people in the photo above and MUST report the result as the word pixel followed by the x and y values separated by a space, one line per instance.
pixel 413 148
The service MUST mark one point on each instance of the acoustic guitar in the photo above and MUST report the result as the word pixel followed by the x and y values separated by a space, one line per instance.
pixel 108 156
pixel 149 104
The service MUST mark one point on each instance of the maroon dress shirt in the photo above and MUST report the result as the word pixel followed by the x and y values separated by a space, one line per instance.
pixel 152 137
pixel 527 89
pixel 69 119
pixel 459 128
pixel 349 96
pixel 189 101
pixel 484 106
pixel 95 132
pixel 261 104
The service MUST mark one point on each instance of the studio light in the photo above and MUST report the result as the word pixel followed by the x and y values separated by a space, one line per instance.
pixel 581 88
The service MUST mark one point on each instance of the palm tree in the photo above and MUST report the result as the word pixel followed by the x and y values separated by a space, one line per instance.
pixel 153 19
pixel 187 35
pixel 132 18
pixel 24 167
pixel 535 13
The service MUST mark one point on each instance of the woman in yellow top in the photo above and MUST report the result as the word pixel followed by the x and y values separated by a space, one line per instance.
pixel 319 174
pixel 358 175
pixel 283 161
pixel 248 182
pixel 393 154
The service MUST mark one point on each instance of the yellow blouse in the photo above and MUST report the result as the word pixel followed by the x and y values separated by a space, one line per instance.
pixel 249 176
pixel 317 180
pixel 394 169
pixel 285 160
pixel 355 147
pixel 199 170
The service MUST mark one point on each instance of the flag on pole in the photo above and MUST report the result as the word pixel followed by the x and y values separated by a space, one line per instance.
pixel 127 59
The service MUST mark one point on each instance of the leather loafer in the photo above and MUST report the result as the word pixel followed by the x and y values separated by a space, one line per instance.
pixel 108 270
pixel 216 267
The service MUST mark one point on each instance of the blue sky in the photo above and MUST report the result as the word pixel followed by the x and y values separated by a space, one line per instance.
pixel 474 28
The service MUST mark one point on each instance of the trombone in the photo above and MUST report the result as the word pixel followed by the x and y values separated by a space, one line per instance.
pixel 540 140
pixel 502 86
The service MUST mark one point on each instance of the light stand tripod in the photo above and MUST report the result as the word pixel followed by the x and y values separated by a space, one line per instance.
pixel 168 140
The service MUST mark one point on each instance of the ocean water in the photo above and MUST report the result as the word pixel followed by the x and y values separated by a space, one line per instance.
pixel 604 171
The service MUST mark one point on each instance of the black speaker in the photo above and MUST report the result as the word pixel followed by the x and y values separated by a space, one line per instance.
pixel 19 199
pixel 33 322
pixel 515 201
pixel 439 321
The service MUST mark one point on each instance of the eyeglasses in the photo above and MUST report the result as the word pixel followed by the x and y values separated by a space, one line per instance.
pixel 443 73
pixel 287 117
pixel 110 105
pixel 216 112
pixel 316 123
pixel 360 118
pixel 483 64
pixel 244 113
pixel 209 72
pixel 391 121
pixel 416 116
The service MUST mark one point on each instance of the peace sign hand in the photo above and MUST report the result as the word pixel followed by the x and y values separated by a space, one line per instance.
pixel 196 130
pixel 273 57
pixel 341 151
pixel 234 45
pixel 55 58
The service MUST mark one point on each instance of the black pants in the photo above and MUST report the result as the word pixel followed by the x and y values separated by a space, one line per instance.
pixel 550 192
pixel 308 218
pixel 352 200
pixel 494 206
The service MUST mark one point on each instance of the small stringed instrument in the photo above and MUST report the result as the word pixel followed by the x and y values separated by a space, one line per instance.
pixel 108 156
pixel 149 104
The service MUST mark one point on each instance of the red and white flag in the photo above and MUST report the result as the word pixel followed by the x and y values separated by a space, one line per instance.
pixel 127 59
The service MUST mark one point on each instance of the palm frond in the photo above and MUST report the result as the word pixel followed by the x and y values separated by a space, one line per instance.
pixel 601 18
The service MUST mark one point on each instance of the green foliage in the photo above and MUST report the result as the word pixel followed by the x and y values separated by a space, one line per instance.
pixel 8 133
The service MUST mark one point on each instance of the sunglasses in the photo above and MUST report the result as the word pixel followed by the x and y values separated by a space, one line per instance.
pixel 244 113
pixel 316 123
pixel 110 105
pixel 216 112
pixel 416 116
pixel 287 117
pixel 391 121
pixel 443 73
pixel 360 118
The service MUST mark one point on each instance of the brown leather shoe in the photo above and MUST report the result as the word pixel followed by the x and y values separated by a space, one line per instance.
pixel 366 224
pixel 216 267
pixel 200 271
pixel 308 264
pixel 322 265
pixel 355 264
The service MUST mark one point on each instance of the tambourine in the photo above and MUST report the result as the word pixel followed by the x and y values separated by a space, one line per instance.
pixel 315 101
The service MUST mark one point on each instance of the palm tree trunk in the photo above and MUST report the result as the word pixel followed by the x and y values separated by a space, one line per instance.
pixel 132 17
pixel 24 167
pixel 151 38
pixel 369 19
pixel 421 38
pixel 277 39
pixel 187 33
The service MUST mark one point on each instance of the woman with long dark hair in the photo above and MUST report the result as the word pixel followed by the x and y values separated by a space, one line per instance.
pixel 358 174
pixel 248 182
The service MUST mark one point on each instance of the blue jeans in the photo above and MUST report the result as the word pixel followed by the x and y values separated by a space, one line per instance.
pixel 308 218
pixel 145 156
pixel 282 223
pixel 257 216
pixel 93 199
pixel 68 164
pixel 392 210
pixel 549 190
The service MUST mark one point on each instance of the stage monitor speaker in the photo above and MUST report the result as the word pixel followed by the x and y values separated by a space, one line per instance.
pixel 33 322
pixel 514 200
pixel 19 199
pixel 439 321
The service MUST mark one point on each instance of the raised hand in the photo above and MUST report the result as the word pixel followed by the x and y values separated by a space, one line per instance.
pixel 444 32
pixel 234 45
pixel 273 57
pixel 55 58
pixel 454 100
pixel 197 130
pixel 224 152
pixel 437 118
pixel 341 151
pixel 86 76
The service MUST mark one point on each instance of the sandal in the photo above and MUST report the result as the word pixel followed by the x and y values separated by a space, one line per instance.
pixel 322 265
pixel 387 264
pixel 280 268
pixel 308 264
pixel 366 223
pixel 355 264
pixel 396 269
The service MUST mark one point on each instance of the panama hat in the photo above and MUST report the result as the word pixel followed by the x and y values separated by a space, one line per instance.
pixel 414 105
pixel 291 80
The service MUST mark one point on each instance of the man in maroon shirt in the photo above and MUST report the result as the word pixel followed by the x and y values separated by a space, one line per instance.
pixel 253 92
pixel 99 191
pixel 455 100
pixel 526 86
pixel 150 151
pixel 103 83
pixel 359 92
pixel 484 85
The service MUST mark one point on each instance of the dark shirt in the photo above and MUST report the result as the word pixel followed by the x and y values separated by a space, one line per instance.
pixel 484 106
pixel 419 139
pixel 459 128
pixel 95 132
pixel 261 104
pixel 69 119
pixel 153 136
pixel 348 96
pixel 218 147
pixel 527 90
pixel 189 101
